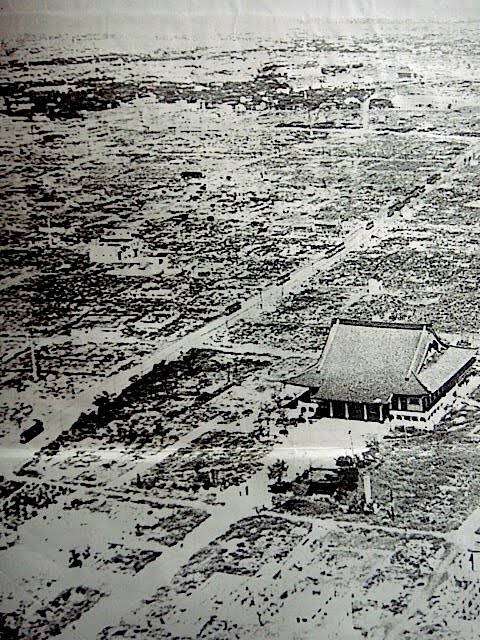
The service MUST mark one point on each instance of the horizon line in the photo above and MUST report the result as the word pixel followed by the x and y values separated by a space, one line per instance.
pixel 243 14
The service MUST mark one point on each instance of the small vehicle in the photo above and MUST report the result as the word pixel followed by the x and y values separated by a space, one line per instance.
pixel 235 306
pixel 32 432
pixel 187 175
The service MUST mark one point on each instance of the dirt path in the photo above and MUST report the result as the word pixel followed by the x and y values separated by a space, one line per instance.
pixel 420 597
pixel 332 522
pixel 459 540
pixel 127 593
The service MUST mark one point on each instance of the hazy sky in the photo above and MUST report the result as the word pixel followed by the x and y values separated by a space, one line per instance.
pixel 333 9
pixel 201 17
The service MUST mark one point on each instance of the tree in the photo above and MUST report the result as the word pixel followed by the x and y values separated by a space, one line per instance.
pixel 277 471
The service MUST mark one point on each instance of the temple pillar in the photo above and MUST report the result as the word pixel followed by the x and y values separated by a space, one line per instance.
pixel 330 407
pixel 380 407
pixel 347 415
pixel 365 414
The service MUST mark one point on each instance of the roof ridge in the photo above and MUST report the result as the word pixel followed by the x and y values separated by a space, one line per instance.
pixel 410 371
pixel 328 343
pixel 316 366
pixel 461 346
pixel 384 325
pixel 415 375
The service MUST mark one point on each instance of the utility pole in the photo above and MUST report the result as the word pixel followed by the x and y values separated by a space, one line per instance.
pixel 367 488
pixel 351 444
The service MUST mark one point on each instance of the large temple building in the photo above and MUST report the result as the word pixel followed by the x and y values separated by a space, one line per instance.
pixel 377 371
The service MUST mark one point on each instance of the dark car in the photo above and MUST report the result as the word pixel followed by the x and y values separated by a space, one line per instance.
pixel 32 432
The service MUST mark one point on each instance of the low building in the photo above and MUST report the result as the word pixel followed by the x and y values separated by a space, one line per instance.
pixel 119 246
pixel 404 73
pixel 127 255
pixel 378 371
